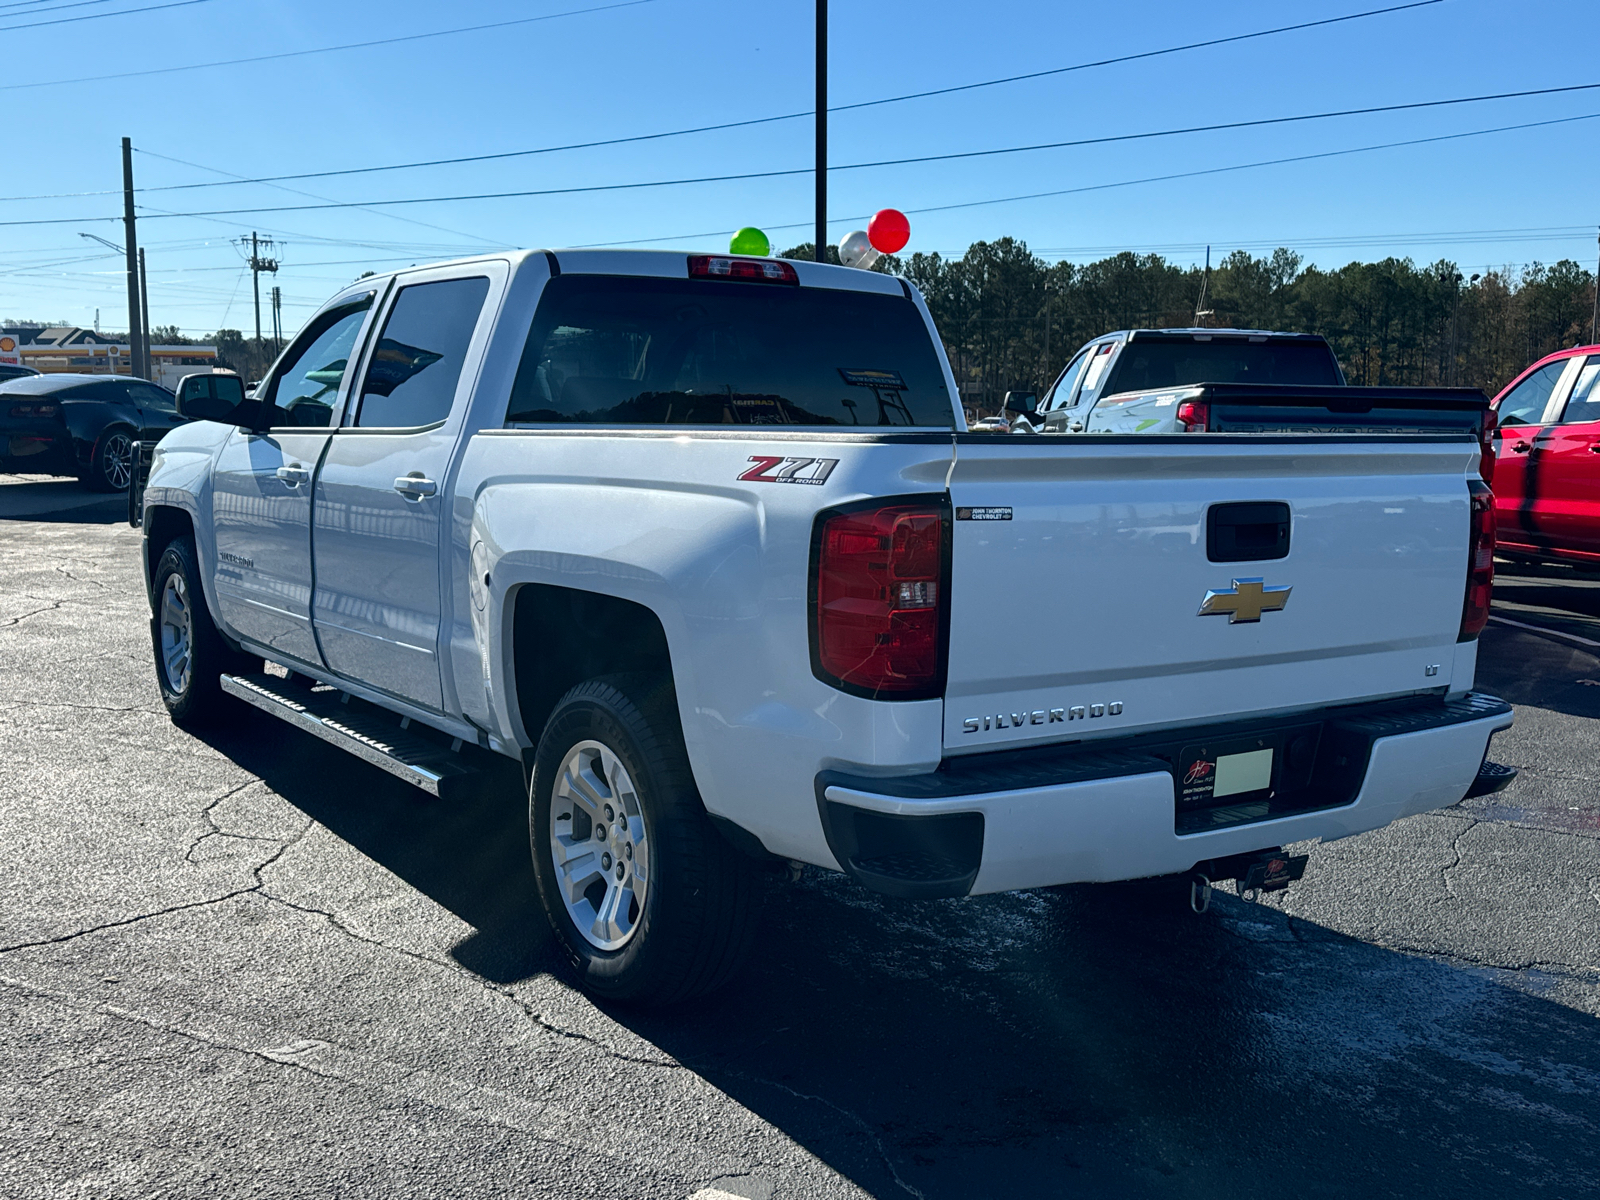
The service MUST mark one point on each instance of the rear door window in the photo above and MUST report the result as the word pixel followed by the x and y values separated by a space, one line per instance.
pixel 615 350
pixel 412 376
pixel 1584 403
pixel 1525 403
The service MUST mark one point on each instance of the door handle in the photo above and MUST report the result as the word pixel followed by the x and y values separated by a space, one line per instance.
pixel 1594 447
pixel 1521 447
pixel 293 474
pixel 415 486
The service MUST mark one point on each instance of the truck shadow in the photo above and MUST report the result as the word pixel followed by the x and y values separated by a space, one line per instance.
pixel 1089 1040
pixel 1543 672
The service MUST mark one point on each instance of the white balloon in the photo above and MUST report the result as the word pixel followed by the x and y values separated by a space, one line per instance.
pixel 855 250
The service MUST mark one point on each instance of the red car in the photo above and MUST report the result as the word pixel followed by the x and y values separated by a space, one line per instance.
pixel 1547 471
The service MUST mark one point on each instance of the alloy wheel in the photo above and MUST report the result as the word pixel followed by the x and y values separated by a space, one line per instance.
pixel 116 458
pixel 599 845
pixel 177 634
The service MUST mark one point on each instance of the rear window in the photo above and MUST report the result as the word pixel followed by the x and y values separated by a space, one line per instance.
pixel 1146 366
pixel 613 350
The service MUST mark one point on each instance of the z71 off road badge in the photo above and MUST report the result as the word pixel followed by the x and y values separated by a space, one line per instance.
pixel 771 468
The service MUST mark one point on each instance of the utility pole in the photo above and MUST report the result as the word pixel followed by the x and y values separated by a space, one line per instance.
pixel 822 131
pixel 1594 321
pixel 144 313
pixel 135 313
pixel 1200 309
pixel 277 320
pixel 258 265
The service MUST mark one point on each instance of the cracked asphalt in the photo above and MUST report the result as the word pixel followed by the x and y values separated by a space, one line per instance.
pixel 251 965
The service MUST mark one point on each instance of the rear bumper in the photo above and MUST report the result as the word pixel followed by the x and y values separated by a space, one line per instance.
pixel 1109 814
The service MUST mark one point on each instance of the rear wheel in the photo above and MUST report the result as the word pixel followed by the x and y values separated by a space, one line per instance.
pixel 111 463
pixel 190 653
pixel 647 900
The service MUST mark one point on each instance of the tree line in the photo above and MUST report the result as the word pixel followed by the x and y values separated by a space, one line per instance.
pixel 1010 320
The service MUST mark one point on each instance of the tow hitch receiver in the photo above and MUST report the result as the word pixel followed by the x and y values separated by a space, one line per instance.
pixel 1273 872
pixel 1269 870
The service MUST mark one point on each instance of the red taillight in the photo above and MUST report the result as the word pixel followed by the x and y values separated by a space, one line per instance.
pixel 1192 416
pixel 35 410
pixel 1480 562
pixel 879 600
pixel 749 270
pixel 1486 443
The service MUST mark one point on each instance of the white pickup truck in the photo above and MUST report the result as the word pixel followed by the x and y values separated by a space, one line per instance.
pixel 704 543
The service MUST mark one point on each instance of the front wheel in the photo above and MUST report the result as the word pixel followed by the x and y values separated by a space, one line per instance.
pixel 648 901
pixel 190 653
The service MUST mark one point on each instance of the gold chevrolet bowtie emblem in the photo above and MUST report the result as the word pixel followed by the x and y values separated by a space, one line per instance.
pixel 1246 600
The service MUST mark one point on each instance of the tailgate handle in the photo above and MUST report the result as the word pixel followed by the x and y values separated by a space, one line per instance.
pixel 1249 531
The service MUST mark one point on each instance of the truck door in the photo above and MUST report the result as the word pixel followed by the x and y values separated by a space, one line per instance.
pixel 1569 508
pixel 1524 429
pixel 381 499
pixel 261 488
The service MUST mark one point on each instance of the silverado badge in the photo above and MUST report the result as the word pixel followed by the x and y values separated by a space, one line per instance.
pixel 1246 600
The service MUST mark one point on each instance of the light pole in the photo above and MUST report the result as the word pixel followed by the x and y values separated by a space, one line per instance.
pixel 134 366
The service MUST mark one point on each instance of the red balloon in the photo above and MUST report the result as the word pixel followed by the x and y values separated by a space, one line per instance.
pixel 888 231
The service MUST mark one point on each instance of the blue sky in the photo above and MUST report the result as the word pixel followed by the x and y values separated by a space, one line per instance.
pixel 1503 198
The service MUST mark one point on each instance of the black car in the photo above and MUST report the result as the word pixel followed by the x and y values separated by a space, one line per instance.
pixel 12 371
pixel 83 425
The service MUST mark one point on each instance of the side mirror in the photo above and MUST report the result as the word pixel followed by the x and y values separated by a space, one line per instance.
pixel 1022 402
pixel 211 398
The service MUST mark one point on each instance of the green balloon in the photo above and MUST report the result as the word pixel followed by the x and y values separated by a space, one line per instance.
pixel 750 240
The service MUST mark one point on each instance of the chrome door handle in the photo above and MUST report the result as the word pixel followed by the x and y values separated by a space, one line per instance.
pixel 1521 447
pixel 294 474
pixel 415 486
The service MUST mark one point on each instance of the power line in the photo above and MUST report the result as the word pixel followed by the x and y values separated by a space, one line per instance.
pixel 945 207
pixel 314 196
pixel 124 12
pixel 1096 187
pixel 672 133
pixel 897 162
pixel 234 62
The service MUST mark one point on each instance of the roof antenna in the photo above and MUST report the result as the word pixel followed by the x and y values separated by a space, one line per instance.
pixel 1200 310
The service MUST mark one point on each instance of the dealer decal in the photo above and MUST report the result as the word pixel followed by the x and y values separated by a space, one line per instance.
pixel 772 468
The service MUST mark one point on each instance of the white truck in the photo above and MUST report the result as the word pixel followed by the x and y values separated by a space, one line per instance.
pixel 704 543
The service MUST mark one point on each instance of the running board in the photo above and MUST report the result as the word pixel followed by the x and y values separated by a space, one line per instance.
pixel 374 736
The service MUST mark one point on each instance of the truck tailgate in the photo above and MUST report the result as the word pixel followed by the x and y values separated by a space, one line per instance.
pixel 1080 566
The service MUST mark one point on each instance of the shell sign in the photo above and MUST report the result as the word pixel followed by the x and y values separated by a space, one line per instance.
pixel 8 350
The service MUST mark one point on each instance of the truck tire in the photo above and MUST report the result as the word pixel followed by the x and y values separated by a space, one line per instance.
pixel 111 462
pixel 648 901
pixel 190 653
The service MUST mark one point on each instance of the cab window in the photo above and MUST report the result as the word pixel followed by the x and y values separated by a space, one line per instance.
pixel 305 387
pixel 1061 393
pixel 1525 403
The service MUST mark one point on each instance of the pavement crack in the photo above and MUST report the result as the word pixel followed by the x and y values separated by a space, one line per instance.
pixel 462 973
pixel 883 1151
pixel 17 620
pixel 215 830
pixel 1455 851
pixel 148 916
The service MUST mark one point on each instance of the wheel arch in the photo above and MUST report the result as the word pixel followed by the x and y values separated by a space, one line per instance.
pixel 561 636
pixel 163 525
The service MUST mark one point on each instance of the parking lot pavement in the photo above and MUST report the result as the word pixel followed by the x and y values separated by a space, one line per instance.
pixel 251 964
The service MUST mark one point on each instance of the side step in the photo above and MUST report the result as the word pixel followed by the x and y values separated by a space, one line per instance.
pixel 373 736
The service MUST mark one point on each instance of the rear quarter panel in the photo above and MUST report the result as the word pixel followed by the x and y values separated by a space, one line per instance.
pixel 661 518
